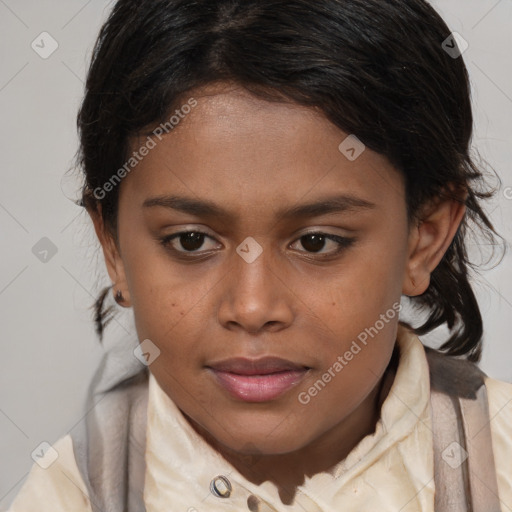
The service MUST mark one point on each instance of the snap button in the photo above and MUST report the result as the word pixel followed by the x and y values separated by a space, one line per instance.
pixel 253 503
pixel 220 486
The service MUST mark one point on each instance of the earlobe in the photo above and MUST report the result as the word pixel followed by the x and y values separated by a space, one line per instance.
pixel 429 240
pixel 113 260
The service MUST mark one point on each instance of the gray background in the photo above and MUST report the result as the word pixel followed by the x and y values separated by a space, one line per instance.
pixel 49 348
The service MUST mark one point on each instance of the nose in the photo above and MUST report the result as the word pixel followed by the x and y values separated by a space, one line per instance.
pixel 257 293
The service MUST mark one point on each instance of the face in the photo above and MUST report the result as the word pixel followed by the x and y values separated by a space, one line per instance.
pixel 227 263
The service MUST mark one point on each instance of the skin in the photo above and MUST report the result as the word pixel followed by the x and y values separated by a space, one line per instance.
pixel 254 157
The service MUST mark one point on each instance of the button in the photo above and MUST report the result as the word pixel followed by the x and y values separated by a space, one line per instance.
pixel 253 503
pixel 220 486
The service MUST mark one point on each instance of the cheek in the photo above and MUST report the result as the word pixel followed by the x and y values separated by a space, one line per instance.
pixel 352 362
pixel 367 286
pixel 170 301
pixel 158 297
pixel 360 314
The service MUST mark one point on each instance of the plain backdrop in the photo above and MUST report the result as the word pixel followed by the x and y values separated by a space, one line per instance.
pixel 49 348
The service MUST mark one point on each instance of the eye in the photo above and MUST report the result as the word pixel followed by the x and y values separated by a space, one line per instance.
pixel 190 241
pixel 315 242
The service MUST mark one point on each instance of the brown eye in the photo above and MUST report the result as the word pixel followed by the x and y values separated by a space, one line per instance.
pixel 313 243
pixel 191 241
pixel 316 242
pixel 186 241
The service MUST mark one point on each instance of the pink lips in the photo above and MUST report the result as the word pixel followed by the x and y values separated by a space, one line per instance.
pixel 257 380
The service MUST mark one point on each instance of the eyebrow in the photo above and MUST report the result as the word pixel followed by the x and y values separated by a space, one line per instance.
pixel 204 208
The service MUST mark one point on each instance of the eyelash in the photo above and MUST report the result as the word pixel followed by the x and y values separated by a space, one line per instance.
pixel 343 242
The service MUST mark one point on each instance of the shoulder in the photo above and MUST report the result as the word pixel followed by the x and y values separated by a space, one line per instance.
pixel 54 483
pixel 499 395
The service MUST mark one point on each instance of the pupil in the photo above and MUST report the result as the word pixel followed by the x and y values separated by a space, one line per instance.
pixel 189 241
pixel 317 244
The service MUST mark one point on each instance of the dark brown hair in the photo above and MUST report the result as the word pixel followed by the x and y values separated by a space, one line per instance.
pixel 375 68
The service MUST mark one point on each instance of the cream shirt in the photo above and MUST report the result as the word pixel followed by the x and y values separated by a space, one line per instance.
pixel 388 470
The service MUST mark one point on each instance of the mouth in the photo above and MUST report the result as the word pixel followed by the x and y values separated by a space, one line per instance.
pixel 257 380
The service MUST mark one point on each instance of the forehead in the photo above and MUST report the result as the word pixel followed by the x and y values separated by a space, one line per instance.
pixel 237 149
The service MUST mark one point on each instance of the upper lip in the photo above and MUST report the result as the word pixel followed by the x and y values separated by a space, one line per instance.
pixel 262 366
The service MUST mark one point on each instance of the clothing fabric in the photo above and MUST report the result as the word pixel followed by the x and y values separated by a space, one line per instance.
pixel 388 470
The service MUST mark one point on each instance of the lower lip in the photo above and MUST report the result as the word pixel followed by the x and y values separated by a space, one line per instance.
pixel 259 388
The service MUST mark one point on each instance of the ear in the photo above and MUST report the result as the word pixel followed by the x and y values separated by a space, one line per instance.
pixel 113 260
pixel 429 239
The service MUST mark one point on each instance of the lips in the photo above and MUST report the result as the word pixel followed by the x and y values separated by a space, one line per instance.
pixel 257 380
pixel 263 366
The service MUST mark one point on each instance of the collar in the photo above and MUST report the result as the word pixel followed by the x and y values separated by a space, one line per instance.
pixel 390 469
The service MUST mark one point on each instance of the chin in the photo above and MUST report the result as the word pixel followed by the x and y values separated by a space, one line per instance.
pixel 261 443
